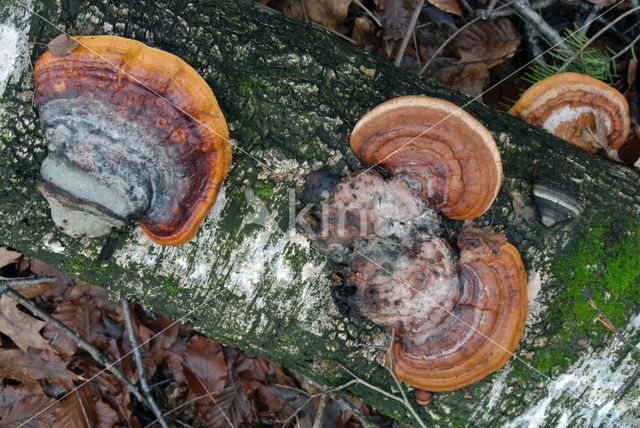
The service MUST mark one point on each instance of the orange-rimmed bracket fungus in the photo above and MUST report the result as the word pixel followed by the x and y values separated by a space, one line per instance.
pixel 457 316
pixel 579 109
pixel 133 133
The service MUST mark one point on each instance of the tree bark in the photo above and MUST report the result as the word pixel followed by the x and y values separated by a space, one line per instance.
pixel 291 94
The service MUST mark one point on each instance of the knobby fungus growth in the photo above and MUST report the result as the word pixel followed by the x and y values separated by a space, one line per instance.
pixel 458 318
pixel 133 133
pixel 579 109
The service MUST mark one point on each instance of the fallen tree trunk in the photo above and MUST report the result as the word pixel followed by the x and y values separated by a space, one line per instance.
pixel 291 94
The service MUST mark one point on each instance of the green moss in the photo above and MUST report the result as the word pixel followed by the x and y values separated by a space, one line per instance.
pixel 171 285
pixel 603 266
pixel 265 192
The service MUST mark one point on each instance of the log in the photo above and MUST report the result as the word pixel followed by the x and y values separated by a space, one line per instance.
pixel 291 93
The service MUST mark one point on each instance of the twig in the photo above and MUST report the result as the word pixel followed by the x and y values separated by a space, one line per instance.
pixel 453 36
pixel 629 46
pixel 531 16
pixel 590 19
pixel 409 32
pixel 312 396
pixel 532 38
pixel 468 7
pixel 6 284
pixel 92 350
pixel 137 354
pixel 609 324
pixel 320 411
pixel 415 46
pixel 181 405
pixel 580 51
pixel 541 4
pixel 368 12
pixel 395 378
pixel 489 10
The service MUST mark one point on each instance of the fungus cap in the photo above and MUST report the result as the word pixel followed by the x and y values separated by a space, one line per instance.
pixel 134 133
pixel 484 327
pixel 569 105
pixel 451 155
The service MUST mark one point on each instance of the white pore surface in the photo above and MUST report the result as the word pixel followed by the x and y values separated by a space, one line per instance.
pixel 567 114
pixel 13 46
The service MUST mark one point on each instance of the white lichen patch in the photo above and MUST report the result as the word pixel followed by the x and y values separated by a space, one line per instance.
pixel 266 270
pixel 14 51
pixel 572 397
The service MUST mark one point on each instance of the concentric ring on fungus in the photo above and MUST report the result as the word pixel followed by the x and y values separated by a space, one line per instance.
pixel 133 133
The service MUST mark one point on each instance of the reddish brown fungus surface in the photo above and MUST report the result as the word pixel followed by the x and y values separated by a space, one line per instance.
pixel 133 133
pixel 577 108
pixel 458 317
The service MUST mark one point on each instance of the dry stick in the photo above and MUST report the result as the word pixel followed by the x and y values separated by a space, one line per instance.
pixel 409 32
pixel 542 4
pixel 629 46
pixel 92 350
pixel 318 394
pixel 487 12
pixel 6 284
pixel 395 378
pixel 595 36
pixel 590 19
pixel 607 323
pixel 137 354
pixel 368 12
pixel 415 46
pixel 539 24
pixel 453 36
pixel 320 411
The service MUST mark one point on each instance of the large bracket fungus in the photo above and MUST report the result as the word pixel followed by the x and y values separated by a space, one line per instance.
pixel 458 318
pixel 133 133
pixel 579 109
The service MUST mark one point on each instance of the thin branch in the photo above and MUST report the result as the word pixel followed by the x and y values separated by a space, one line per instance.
pixel 453 36
pixel 368 12
pixel 409 32
pixel 590 19
pixel 92 350
pixel 609 324
pixel 395 378
pixel 137 354
pixel 580 51
pixel 489 10
pixel 534 18
pixel 320 411
pixel 622 52
pixel 312 396
pixel 6 284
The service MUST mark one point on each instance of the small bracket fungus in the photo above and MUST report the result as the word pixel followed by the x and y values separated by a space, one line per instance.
pixel 555 204
pixel 577 108
pixel 439 141
pixel 457 317
pixel 133 133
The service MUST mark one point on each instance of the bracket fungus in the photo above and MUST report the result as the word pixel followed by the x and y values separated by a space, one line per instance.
pixel 579 109
pixel 458 317
pixel 133 133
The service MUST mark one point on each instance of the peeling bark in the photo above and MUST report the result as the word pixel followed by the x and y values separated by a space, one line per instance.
pixel 291 94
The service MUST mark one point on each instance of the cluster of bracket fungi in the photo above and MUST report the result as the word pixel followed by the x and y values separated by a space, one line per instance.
pixel 458 316
pixel 133 133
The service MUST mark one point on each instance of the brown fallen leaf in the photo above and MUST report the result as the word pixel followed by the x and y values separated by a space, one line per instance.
pixel 20 405
pixel 22 328
pixel 8 257
pixel 30 367
pixel 62 45
pixel 480 47
pixel 395 15
pixel 326 12
pixel 364 31
pixel 450 6
pixel 84 408
pixel 204 367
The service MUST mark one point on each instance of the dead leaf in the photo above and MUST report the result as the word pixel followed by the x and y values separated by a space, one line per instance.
pixel 231 408
pixel 22 328
pixel 18 405
pixel 30 367
pixel 395 15
pixel 8 257
pixel 450 6
pixel 480 47
pixel 326 12
pixel 85 408
pixel 62 45
pixel 204 367
pixel 364 31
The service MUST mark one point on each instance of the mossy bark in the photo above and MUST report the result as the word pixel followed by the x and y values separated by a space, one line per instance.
pixel 291 94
